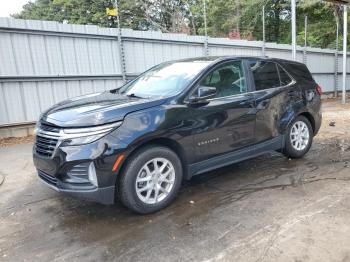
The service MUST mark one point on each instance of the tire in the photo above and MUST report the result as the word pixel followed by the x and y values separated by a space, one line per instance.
pixel 141 165
pixel 296 146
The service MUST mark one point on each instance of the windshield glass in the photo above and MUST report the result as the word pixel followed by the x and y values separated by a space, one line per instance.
pixel 164 80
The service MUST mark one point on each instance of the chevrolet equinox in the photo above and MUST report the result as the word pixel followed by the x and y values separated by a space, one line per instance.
pixel 179 119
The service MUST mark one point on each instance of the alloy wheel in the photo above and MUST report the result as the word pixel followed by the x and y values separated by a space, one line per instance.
pixel 299 135
pixel 155 180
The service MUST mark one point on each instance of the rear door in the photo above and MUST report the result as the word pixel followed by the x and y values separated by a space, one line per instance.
pixel 274 91
pixel 226 123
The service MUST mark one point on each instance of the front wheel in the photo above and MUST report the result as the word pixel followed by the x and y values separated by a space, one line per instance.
pixel 298 138
pixel 151 179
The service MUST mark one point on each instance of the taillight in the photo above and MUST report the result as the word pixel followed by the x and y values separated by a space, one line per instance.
pixel 319 89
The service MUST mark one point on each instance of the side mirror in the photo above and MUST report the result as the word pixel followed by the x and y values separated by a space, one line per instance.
pixel 203 94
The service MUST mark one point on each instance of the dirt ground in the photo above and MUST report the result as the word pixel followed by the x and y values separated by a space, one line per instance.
pixel 267 209
pixel 10 141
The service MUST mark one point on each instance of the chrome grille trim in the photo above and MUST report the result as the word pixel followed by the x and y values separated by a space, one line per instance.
pixel 48 134
pixel 47 139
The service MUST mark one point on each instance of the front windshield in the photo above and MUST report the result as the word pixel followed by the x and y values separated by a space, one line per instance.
pixel 164 80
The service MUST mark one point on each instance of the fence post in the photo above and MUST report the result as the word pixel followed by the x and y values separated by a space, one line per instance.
pixel 294 36
pixel 206 50
pixel 345 43
pixel 336 60
pixel 121 46
pixel 263 51
pixel 305 42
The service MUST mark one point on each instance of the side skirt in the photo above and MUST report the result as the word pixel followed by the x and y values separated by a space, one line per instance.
pixel 236 156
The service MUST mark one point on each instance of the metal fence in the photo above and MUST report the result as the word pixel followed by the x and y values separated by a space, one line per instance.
pixel 42 62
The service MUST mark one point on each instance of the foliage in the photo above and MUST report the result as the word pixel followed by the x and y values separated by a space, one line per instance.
pixel 186 16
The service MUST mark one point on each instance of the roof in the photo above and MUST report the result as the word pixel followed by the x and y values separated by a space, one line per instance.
pixel 216 59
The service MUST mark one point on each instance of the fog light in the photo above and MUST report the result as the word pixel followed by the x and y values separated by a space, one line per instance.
pixel 92 174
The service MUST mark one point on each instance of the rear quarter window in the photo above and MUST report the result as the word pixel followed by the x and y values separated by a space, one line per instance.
pixel 265 74
pixel 299 71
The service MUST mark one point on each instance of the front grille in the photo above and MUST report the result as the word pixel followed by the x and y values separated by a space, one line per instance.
pixel 49 128
pixel 47 178
pixel 46 140
pixel 45 146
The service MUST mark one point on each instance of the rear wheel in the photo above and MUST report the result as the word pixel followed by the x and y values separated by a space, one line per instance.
pixel 298 138
pixel 151 179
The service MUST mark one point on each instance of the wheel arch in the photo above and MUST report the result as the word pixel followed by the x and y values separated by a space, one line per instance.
pixel 159 141
pixel 288 149
pixel 311 119
pixel 290 117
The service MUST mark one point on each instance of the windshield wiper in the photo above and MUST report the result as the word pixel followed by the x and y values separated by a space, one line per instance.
pixel 133 95
pixel 114 91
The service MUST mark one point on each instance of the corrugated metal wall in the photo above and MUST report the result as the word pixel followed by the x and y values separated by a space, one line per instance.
pixel 42 62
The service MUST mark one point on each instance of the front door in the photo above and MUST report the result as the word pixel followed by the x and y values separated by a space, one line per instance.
pixel 227 122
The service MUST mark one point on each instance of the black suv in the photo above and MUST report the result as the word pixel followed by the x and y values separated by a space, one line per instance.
pixel 176 120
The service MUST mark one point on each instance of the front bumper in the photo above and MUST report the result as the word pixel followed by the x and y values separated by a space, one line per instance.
pixel 104 195
pixel 67 169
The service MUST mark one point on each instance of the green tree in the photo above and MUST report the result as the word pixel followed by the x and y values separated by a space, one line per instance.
pixel 136 14
pixel 186 16
pixel 71 11
pixel 321 31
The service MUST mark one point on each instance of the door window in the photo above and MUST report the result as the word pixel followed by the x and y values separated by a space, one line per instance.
pixel 265 74
pixel 228 79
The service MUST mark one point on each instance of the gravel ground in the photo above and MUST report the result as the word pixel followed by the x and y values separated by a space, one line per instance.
pixel 10 141
pixel 267 209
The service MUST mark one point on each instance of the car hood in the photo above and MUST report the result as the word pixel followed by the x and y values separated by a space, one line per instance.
pixel 96 109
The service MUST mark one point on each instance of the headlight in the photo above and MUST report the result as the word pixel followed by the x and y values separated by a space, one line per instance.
pixel 79 136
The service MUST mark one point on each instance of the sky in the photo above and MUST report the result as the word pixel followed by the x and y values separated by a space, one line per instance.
pixel 8 7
